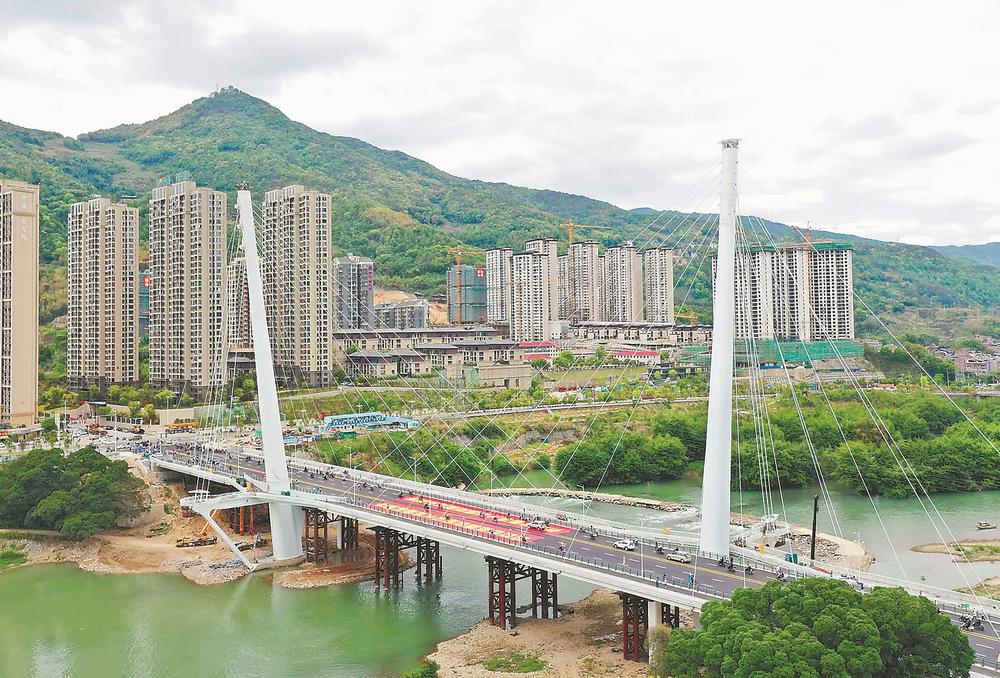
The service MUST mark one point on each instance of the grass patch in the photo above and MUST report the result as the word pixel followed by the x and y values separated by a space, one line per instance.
pixel 33 536
pixel 9 556
pixel 515 662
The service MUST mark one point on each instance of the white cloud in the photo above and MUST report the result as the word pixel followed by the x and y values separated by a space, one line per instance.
pixel 870 118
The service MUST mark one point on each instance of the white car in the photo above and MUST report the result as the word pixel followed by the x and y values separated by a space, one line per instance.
pixel 538 524
pixel 625 545
pixel 679 557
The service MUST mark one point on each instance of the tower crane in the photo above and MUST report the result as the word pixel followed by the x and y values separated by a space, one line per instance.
pixel 457 253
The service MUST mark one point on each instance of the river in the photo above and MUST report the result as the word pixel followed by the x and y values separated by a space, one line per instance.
pixel 59 621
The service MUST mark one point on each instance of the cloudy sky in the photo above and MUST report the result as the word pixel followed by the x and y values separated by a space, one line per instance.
pixel 880 119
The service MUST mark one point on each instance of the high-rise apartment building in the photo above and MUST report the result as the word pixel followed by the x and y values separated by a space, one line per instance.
pixel 18 302
pixel 549 247
pixel 658 284
pixel 187 268
pixel 564 286
pixel 238 332
pixel 531 279
pixel 353 285
pixel 467 294
pixel 498 285
pixel 795 292
pixel 102 328
pixel 623 283
pixel 143 283
pixel 584 279
pixel 297 281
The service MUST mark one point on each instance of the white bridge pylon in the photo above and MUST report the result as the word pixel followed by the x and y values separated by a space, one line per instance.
pixel 286 519
pixel 719 437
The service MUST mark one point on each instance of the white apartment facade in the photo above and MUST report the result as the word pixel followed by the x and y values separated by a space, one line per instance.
pixel 585 282
pixel 549 247
pixel 623 284
pixel 795 292
pixel 19 221
pixel 530 311
pixel 102 336
pixel 658 284
pixel 498 285
pixel 298 294
pixel 238 332
pixel 187 267
pixel 353 285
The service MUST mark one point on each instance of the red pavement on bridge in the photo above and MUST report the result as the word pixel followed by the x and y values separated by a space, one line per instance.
pixel 486 523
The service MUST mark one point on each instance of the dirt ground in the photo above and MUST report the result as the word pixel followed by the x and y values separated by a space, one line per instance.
pixel 585 641
pixel 437 313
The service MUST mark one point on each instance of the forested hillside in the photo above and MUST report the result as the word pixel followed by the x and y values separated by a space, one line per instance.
pixel 400 210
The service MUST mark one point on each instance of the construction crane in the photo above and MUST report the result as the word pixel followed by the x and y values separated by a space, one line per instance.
pixel 457 253
pixel 691 316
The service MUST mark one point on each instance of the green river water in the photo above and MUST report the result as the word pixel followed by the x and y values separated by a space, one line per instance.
pixel 59 621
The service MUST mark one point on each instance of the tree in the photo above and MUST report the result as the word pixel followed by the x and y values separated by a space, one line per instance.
pixel 658 641
pixel 820 627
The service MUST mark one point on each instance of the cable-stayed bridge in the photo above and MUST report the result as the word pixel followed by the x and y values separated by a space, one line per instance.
pixel 655 576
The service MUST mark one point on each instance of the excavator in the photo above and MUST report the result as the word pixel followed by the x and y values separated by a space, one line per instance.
pixel 200 539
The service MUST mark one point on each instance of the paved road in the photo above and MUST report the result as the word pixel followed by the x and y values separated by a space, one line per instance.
pixel 487 524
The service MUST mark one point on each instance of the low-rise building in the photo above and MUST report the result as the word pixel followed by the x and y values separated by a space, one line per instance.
pixel 402 315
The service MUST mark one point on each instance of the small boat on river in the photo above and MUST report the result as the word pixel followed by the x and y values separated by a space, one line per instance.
pixel 983 525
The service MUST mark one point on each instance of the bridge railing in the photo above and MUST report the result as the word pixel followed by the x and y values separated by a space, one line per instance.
pixel 482 533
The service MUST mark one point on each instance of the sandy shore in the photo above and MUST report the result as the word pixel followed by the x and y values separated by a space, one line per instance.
pixel 976 550
pixel 584 642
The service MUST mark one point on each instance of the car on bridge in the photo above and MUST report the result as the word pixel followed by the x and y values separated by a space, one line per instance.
pixel 678 557
pixel 625 544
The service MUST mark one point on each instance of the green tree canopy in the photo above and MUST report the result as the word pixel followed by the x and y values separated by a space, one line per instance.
pixel 822 628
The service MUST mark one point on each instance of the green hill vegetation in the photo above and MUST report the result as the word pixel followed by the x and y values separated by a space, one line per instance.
pixel 77 495
pixel 400 210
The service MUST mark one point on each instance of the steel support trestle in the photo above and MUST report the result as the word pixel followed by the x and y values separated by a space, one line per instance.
pixel 317 544
pixel 635 625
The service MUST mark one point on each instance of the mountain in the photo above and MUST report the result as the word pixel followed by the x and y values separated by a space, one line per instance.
pixel 403 212
pixel 987 253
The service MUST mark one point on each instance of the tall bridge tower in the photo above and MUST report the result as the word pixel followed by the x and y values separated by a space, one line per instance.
pixel 719 439
pixel 287 520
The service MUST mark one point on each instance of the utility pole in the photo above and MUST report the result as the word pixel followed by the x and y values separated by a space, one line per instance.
pixel 715 500
pixel 812 543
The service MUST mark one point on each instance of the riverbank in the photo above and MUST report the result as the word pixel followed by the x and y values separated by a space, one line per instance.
pixel 583 495
pixel 150 548
pixel 966 550
pixel 585 641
